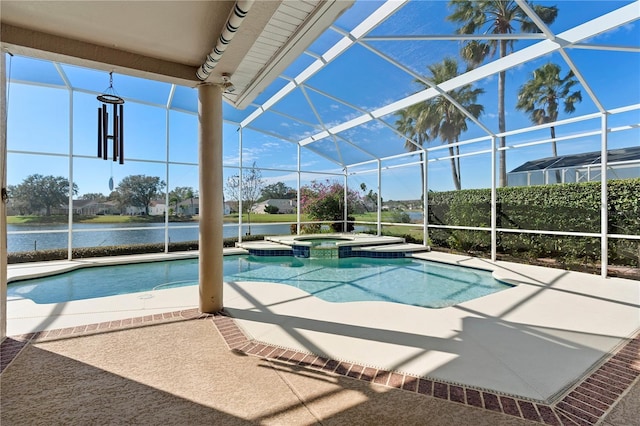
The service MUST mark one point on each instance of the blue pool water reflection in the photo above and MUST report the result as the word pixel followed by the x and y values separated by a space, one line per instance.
pixel 406 281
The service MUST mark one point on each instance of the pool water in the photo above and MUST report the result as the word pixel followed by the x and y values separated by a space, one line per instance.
pixel 406 281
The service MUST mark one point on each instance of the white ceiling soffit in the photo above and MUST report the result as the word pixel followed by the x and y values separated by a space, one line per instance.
pixel 168 40
pixel 291 29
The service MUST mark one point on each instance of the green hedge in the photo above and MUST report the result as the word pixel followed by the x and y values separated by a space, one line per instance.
pixel 567 207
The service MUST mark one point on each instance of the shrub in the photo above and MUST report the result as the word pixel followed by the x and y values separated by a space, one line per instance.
pixel 325 201
pixel 566 207
pixel 400 217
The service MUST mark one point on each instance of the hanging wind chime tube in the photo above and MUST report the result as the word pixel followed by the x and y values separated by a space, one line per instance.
pixel 109 97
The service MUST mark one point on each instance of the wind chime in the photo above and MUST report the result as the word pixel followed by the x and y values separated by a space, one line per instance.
pixel 109 97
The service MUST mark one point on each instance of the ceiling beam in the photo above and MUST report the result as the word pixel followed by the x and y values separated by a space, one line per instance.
pixel 27 42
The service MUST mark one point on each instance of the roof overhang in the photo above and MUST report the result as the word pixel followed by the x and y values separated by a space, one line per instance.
pixel 169 40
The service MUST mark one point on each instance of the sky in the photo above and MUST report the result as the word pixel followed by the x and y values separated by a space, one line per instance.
pixel 358 81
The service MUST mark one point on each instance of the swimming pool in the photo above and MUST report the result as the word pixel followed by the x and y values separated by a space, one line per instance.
pixel 407 281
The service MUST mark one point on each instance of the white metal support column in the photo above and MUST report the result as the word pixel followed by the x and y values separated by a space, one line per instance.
pixel 168 179
pixel 298 203
pixel 379 227
pixel 425 199
pixel 345 212
pixel 240 186
pixel 211 209
pixel 494 201
pixel 70 201
pixel 604 201
pixel 3 206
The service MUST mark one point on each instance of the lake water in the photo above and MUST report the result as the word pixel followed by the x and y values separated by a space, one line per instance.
pixel 39 237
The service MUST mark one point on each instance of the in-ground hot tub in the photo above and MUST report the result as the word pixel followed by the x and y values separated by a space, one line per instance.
pixel 318 247
pixel 332 246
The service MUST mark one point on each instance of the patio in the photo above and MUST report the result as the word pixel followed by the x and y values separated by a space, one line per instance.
pixel 320 90
pixel 174 370
pixel 544 346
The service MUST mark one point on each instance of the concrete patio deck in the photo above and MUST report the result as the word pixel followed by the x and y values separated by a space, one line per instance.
pixel 535 345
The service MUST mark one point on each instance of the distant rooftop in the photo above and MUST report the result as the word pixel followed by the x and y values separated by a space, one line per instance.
pixel 577 160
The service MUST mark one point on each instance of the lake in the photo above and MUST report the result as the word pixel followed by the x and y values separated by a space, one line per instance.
pixel 40 237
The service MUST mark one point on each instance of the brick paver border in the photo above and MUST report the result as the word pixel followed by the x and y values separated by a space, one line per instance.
pixel 585 403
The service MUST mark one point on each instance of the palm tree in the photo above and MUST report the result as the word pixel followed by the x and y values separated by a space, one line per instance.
pixel 495 17
pixel 439 117
pixel 414 141
pixel 539 98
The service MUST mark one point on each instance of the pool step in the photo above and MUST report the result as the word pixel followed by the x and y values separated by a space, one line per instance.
pixel 266 248
pixel 389 250
pixel 262 245
pixel 394 248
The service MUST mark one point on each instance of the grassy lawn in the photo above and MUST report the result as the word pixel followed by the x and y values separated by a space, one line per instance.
pixel 373 217
pixel 232 218
pixel 416 233
pixel 121 219
pixel 265 218
pixel 62 219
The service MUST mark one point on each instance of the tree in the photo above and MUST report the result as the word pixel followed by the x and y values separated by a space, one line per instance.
pixel 139 191
pixel 277 190
pixel 271 209
pixel 37 193
pixel 495 17
pixel 414 140
pixel 440 118
pixel 249 190
pixel 16 202
pixel 539 97
pixel 325 201
pixel 369 198
pixel 94 196
pixel 179 194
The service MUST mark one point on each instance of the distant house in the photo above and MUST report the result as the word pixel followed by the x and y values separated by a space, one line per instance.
pixel 90 208
pixel 228 207
pixel 284 206
pixel 134 210
pixel 191 207
pixel 188 207
pixel 621 164
pixel 157 208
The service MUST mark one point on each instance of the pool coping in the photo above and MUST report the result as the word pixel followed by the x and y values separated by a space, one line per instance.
pixel 345 245
pixel 587 402
pixel 504 273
